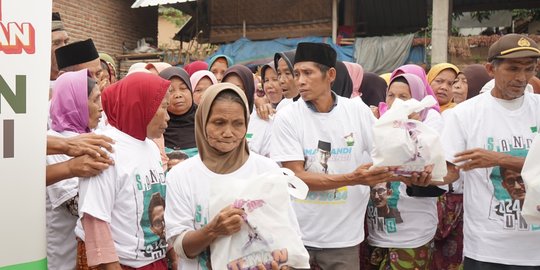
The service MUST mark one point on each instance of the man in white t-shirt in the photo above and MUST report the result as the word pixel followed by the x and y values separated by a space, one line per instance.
pixel 322 138
pixel 486 137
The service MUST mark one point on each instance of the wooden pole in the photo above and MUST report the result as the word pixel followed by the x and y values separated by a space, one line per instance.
pixel 244 29
pixel 439 34
pixel 334 20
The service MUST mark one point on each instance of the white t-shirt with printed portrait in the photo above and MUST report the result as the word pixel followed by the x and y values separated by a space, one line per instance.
pixel 122 196
pixel 331 218
pixel 494 230
pixel 188 198
pixel 405 222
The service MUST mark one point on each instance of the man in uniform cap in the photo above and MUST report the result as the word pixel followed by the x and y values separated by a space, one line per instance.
pixel 488 134
pixel 332 215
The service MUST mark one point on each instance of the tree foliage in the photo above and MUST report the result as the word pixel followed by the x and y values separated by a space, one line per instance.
pixel 173 15
pixel 517 14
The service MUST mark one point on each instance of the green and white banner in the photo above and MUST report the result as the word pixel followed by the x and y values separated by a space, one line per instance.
pixel 25 56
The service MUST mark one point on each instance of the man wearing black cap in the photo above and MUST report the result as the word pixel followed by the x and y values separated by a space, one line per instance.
pixel 488 134
pixel 79 55
pixel 332 215
pixel 59 38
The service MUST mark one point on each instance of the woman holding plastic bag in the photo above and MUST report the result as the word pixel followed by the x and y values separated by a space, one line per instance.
pixel 220 127
pixel 401 220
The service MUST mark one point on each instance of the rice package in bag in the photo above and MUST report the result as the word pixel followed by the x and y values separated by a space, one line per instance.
pixel 406 143
pixel 531 177
pixel 270 230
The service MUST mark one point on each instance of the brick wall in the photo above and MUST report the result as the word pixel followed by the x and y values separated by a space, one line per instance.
pixel 107 22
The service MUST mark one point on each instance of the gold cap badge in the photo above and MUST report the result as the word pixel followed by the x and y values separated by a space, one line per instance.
pixel 524 42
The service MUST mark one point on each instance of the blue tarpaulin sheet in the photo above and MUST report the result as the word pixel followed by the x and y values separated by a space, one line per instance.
pixel 247 52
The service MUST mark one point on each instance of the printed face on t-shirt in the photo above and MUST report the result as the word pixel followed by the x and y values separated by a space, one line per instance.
pixel 379 194
pixel 513 183
pixel 323 156
pixel 157 222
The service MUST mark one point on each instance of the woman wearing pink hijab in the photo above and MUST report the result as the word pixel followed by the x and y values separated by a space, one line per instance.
pixel 412 210
pixel 356 72
pixel 421 73
pixel 75 109
pixel 406 86
pixel 200 80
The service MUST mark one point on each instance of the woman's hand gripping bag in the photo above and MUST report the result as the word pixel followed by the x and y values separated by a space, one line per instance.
pixel 270 231
pixel 531 177
pixel 406 143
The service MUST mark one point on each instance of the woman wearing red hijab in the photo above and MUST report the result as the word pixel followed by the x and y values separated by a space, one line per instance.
pixel 122 209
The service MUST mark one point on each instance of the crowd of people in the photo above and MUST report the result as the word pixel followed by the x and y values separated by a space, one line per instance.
pixel 130 160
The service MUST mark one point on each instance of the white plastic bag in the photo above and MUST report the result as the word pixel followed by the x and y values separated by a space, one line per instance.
pixel 531 177
pixel 407 143
pixel 270 231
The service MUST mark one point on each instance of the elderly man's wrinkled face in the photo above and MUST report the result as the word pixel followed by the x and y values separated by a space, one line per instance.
pixel 511 76
pixel 58 39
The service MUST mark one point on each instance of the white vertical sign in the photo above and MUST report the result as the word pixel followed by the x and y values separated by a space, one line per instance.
pixel 25 47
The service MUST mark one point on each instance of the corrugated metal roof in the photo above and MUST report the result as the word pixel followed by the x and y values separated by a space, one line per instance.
pixel 480 5
pixel 148 3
